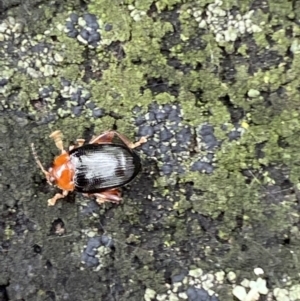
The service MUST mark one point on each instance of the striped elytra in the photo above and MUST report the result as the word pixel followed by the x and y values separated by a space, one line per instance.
pixel 103 166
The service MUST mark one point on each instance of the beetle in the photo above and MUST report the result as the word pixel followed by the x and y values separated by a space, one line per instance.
pixel 97 169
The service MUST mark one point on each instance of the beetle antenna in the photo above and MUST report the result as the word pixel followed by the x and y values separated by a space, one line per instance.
pixel 38 162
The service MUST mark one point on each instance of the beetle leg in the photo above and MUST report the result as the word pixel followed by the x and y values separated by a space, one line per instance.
pixel 105 137
pixel 112 195
pixel 109 135
pixel 130 144
pixel 57 137
pixel 58 196
pixel 139 142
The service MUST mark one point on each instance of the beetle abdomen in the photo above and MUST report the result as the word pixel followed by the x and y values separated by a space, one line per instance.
pixel 103 166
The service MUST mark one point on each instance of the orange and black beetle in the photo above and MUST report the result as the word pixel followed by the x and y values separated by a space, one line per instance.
pixel 97 169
